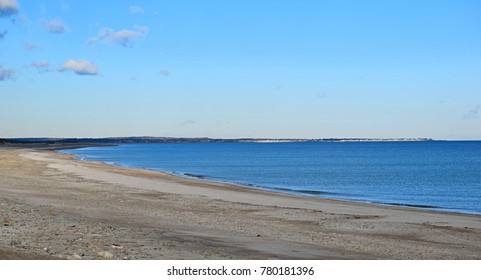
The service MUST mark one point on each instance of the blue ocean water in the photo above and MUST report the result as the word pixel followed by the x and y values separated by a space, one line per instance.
pixel 439 175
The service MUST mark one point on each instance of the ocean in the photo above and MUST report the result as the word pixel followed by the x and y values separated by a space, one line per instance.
pixel 438 175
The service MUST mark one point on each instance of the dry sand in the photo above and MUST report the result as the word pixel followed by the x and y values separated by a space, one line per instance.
pixel 52 206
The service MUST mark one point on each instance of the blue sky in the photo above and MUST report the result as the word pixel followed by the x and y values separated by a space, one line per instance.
pixel 296 69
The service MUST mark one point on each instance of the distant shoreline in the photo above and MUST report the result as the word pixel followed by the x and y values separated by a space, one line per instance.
pixel 139 140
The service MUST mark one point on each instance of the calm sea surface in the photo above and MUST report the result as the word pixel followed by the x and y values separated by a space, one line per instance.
pixel 437 175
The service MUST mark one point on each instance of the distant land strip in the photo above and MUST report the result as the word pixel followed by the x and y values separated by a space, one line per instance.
pixel 148 139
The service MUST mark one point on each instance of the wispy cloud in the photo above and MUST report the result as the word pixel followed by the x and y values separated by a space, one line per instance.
pixel 164 72
pixel 136 10
pixel 56 26
pixel 80 67
pixel 473 114
pixel 188 122
pixel 42 66
pixel 30 46
pixel 124 37
pixel 3 34
pixel 6 73
pixel 64 6
pixel 8 8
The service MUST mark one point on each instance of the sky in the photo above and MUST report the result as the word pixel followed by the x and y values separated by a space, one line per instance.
pixel 232 69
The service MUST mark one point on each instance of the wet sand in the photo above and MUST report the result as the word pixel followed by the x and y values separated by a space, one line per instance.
pixel 53 206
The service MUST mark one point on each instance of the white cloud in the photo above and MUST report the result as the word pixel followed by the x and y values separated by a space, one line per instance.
pixel 8 8
pixel 136 10
pixel 124 37
pixel 80 67
pixel 6 73
pixel 56 26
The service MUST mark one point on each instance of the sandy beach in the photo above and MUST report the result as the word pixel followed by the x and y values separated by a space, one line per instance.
pixel 56 207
